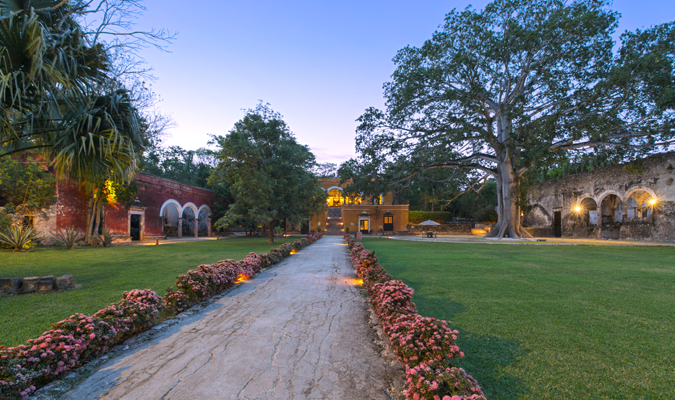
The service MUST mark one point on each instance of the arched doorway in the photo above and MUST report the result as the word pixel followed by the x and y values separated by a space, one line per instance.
pixel 335 198
pixel 188 225
pixel 204 222
pixel 170 213
pixel 611 208
pixel 589 211
pixel 639 204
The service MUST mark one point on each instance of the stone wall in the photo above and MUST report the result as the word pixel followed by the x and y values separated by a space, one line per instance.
pixel 611 203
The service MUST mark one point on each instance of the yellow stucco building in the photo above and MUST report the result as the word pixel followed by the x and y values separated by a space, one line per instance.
pixel 369 215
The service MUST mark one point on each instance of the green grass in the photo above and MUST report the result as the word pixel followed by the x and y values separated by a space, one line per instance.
pixel 104 274
pixel 550 322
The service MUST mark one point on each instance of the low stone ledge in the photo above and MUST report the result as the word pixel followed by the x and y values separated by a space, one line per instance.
pixel 35 284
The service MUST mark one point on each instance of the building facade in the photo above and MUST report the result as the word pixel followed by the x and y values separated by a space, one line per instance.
pixel 369 215
pixel 632 202
pixel 162 208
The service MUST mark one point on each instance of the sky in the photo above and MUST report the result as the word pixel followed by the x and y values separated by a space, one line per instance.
pixel 319 63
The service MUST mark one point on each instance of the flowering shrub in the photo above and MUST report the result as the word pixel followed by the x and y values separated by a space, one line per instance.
pixel 137 311
pixel 415 338
pixel 176 301
pixel 15 381
pixel 80 338
pixel 435 381
pixel 425 345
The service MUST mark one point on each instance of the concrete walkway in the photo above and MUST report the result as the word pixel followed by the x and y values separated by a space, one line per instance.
pixel 296 331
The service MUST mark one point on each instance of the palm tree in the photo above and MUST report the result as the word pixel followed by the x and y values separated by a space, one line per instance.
pixel 55 98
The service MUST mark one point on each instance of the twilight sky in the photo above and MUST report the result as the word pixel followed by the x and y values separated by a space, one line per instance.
pixel 319 63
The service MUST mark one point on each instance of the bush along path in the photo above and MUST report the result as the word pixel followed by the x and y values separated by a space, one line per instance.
pixel 80 338
pixel 425 345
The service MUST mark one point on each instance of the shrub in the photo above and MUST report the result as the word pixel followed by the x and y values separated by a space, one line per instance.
pixel 80 338
pixel 18 238
pixel 437 381
pixel 425 345
pixel 415 217
pixel 104 239
pixel 68 237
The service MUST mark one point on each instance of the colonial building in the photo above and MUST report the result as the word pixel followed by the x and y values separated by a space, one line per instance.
pixel 634 202
pixel 162 208
pixel 369 215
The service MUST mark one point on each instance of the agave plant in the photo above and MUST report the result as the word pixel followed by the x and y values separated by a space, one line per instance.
pixel 105 239
pixel 18 237
pixel 279 231
pixel 68 237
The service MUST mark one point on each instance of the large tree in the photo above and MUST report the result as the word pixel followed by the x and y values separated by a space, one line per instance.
pixel 268 171
pixel 515 85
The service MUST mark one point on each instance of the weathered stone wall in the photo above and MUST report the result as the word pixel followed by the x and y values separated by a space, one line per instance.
pixel 613 202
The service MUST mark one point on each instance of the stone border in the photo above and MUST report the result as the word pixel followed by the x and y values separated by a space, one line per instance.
pixel 36 284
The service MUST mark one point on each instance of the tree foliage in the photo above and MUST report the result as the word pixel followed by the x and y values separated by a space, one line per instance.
pixel 188 166
pixel 26 184
pixel 499 91
pixel 269 173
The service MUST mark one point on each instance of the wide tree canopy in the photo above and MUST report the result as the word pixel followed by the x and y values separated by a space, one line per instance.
pixel 498 91
pixel 269 173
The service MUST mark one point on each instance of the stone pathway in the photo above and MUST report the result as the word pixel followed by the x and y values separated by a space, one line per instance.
pixel 299 330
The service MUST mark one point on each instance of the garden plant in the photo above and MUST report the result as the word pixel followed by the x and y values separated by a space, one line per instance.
pixel 80 338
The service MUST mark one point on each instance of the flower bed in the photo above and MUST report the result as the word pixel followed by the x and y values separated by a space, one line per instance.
pixel 425 345
pixel 81 338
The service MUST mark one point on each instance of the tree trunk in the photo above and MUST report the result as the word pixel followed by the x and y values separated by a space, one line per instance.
pixel 87 229
pixel 508 220
pixel 98 212
pixel 91 217
pixel 271 232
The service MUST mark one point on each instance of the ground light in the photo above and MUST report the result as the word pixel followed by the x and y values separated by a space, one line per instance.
pixel 241 278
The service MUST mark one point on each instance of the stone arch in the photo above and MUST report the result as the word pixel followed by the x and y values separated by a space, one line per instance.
pixel 204 220
pixel 611 210
pixel 168 202
pixel 191 205
pixel 170 213
pixel 634 189
pixel 335 196
pixel 588 209
pixel 606 193
pixel 188 222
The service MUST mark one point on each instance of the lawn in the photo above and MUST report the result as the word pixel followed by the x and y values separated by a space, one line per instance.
pixel 104 274
pixel 549 322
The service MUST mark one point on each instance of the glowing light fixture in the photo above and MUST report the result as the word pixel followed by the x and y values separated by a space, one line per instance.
pixel 577 209
pixel 652 201
pixel 293 251
pixel 241 278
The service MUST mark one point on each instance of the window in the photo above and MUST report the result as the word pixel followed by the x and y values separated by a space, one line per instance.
pixel 388 220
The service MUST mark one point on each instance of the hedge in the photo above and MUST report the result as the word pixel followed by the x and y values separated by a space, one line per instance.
pixel 425 345
pixel 415 217
pixel 80 338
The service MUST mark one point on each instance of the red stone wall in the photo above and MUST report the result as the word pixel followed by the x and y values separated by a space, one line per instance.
pixel 71 206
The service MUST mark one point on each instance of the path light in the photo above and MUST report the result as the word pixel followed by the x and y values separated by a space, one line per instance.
pixel 241 278
pixel 293 251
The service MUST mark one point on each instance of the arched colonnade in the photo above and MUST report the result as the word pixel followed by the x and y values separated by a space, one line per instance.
pixel 185 220
pixel 610 206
